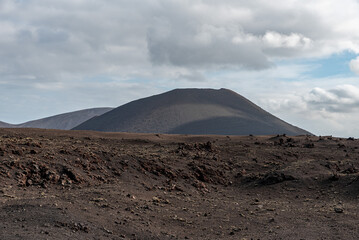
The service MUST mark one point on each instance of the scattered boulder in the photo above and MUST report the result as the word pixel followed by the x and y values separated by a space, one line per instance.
pixel 338 209
pixel 275 177
pixel 309 145
pixel 269 178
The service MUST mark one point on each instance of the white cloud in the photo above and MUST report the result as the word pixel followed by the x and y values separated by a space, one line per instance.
pixel 354 65
pixel 324 111
pixel 344 98
pixel 294 40
pixel 81 38
pixel 146 47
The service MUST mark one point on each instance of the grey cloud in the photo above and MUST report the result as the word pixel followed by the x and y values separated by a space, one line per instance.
pixel 179 37
pixel 343 99
pixel 47 36
pixel 173 38
pixel 192 76
pixel 43 43
pixel 286 20
pixel 85 38
pixel 354 65
pixel 24 36
pixel 179 52
pixel 72 40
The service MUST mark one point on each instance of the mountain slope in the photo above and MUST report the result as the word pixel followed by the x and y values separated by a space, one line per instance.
pixel 65 121
pixel 192 111
pixel 5 125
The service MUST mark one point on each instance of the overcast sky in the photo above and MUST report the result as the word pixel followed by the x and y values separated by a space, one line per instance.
pixel 296 59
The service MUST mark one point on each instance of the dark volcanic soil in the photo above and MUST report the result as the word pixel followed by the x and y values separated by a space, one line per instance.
pixel 89 185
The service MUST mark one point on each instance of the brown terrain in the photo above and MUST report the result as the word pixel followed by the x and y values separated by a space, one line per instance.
pixel 58 184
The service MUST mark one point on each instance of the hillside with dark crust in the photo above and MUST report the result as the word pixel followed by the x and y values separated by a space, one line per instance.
pixel 92 185
pixel 192 111
pixel 4 125
pixel 64 121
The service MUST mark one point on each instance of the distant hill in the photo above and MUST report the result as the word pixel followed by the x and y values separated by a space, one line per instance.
pixel 63 121
pixel 4 125
pixel 192 111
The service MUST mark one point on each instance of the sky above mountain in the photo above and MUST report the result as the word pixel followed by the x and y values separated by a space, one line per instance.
pixel 296 59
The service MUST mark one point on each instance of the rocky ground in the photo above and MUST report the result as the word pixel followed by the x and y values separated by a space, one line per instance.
pixel 90 185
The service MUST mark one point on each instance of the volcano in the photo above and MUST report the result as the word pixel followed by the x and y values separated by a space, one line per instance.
pixel 192 111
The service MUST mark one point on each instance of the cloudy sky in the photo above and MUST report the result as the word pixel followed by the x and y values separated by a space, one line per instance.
pixel 296 59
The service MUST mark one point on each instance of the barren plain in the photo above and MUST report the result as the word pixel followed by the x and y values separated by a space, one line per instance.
pixel 58 184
